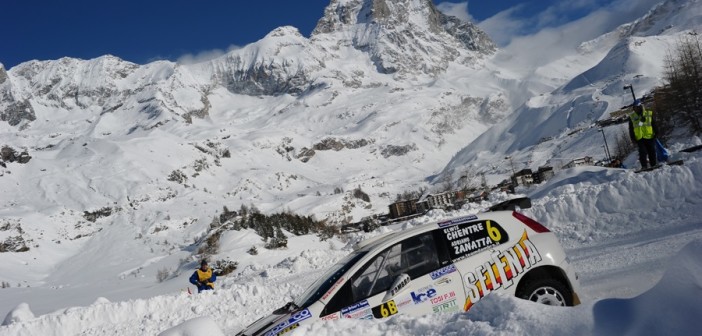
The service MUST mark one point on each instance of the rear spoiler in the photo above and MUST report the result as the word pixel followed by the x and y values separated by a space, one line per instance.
pixel 513 204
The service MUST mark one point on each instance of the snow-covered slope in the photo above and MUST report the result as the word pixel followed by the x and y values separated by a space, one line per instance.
pixel 130 163
pixel 638 265
pixel 555 127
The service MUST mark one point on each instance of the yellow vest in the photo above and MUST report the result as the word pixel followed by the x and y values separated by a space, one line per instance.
pixel 202 276
pixel 643 125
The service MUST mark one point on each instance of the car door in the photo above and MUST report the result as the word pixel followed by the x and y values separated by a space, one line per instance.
pixel 407 277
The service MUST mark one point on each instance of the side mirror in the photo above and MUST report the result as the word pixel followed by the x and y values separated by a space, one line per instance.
pixel 400 282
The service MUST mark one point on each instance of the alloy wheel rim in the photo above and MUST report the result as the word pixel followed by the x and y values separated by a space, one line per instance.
pixel 548 296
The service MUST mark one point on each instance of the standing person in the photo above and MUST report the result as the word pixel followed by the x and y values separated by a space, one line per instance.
pixel 643 131
pixel 203 277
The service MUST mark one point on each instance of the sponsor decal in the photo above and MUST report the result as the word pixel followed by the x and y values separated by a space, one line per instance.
pixel 423 295
pixel 500 270
pixel 331 317
pixel 403 302
pixel 331 290
pixel 399 286
pixel 384 310
pixel 356 307
pixel 470 238
pixel 359 310
pixel 456 221
pixel 443 298
pixel 288 329
pixel 446 306
pixel 443 271
pixel 443 282
pixel 294 319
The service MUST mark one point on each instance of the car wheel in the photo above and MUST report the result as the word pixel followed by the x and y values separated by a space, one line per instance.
pixel 547 291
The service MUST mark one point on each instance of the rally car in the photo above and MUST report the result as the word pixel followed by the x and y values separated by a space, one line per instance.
pixel 446 266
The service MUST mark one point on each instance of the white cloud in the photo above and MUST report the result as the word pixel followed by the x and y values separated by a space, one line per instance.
pixel 459 10
pixel 554 35
pixel 505 27
pixel 204 56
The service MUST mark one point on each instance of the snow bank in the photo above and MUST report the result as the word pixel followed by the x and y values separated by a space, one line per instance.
pixel 621 227
pixel 591 204
pixel 195 327
pixel 19 314
pixel 672 307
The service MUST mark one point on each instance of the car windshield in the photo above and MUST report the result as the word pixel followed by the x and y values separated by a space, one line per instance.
pixel 328 279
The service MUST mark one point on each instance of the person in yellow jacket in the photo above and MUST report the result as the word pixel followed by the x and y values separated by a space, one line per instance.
pixel 204 277
pixel 643 131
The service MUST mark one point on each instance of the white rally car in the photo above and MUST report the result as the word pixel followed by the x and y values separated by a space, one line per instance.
pixel 447 266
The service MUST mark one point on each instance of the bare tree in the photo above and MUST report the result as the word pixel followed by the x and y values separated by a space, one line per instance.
pixel 680 102
pixel 162 274
pixel 623 145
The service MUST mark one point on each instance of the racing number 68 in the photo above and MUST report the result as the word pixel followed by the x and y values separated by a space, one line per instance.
pixel 388 308
pixel 493 232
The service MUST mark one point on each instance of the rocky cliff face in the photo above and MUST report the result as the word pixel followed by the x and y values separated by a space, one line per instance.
pixel 404 36
pixel 284 62
pixel 13 110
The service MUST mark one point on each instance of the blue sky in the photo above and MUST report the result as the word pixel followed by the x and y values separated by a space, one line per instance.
pixel 148 30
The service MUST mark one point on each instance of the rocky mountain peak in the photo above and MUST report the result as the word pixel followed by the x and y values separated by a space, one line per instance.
pixel 284 31
pixel 341 13
pixel 404 36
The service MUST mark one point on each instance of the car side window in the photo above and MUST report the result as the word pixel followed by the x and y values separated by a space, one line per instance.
pixel 419 255
pixel 414 256
pixel 376 275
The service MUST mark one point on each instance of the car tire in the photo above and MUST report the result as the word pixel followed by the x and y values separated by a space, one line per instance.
pixel 547 291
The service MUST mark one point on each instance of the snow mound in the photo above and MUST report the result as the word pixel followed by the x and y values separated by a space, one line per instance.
pixel 672 307
pixel 194 327
pixel 19 314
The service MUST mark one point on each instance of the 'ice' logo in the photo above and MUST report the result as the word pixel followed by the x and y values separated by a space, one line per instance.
pixel 423 296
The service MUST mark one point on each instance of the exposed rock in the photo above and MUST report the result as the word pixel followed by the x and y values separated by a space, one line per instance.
pixel 3 74
pixel 14 244
pixel 393 33
pixel 17 111
pixel 178 176
pixel 92 216
pixel 392 150
pixel 331 144
pixel 339 144
pixel 9 154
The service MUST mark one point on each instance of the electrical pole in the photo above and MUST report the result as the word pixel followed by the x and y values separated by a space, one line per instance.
pixel 609 157
pixel 511 164
pixel 630 87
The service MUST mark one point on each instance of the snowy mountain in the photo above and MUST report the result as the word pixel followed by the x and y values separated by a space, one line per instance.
pixel 281 124
pixel 130 163
pixel 555 127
